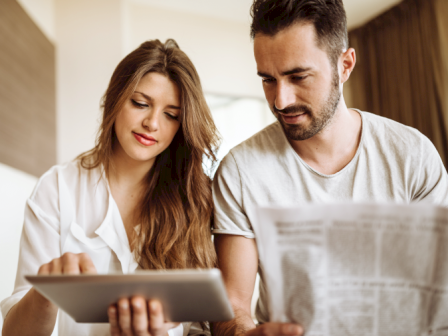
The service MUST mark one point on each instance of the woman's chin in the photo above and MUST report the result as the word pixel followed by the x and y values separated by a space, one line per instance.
pixel 137 157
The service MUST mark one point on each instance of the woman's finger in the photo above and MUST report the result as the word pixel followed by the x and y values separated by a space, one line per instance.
pixel 156 319
pixel 70 263
pixel 86 265
pixel 44 269
pixel 113 321
pixel 139 316
pixel 56 266
pixel 124 317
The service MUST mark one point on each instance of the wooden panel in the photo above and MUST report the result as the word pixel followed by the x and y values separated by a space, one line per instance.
pixel 27 92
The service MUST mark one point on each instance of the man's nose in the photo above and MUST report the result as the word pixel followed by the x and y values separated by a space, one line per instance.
pixel 284 96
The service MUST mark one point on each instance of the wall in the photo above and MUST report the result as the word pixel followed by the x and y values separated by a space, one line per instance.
pixel 220 49
pixel 42 13
pixel 89 40
pixel 27 93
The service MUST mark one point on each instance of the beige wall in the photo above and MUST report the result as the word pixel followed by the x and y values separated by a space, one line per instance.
pixel 89 46
pixel 27 92
pixel 220 49
pixel 42 13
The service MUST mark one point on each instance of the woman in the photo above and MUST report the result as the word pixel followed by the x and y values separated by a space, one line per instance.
pixel 139 198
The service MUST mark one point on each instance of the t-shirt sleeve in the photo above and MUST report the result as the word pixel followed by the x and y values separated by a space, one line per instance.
pixel 432 183
pixel 40 240
pixel 230 217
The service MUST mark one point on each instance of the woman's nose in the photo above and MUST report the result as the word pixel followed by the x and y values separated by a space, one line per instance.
pixel 151 122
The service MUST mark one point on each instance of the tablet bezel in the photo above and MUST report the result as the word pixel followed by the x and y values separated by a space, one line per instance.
pixel 186 295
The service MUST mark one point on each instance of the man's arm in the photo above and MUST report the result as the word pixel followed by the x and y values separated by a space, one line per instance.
pixel 238 262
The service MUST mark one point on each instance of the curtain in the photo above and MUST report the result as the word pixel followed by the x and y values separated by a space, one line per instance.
pixel 402 68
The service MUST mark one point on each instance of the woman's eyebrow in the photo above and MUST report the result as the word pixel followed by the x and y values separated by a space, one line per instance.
pixel 151 99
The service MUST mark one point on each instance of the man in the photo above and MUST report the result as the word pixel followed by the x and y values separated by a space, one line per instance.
pixel 318 151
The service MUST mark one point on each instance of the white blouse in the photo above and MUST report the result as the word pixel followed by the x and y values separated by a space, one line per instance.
pixel 72 210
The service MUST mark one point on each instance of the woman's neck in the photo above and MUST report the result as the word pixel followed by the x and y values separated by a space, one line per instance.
pixel 126 178
pixel 126 173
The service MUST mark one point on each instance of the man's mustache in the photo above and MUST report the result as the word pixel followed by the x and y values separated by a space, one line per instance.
pixel 293 109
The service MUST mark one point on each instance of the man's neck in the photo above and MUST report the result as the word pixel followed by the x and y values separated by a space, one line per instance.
pixel 334 147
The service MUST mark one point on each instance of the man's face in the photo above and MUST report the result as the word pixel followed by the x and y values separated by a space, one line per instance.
pixel 299 81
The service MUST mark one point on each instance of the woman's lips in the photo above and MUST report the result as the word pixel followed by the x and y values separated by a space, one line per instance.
pixel 145 139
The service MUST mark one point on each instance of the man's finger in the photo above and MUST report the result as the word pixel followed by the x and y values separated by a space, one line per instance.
pixel 276 329
pixel 156 319
pixel 139 316
pixel 113 321
pixel 291 329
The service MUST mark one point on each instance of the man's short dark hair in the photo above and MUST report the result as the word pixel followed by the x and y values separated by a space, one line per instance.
pixel 327 16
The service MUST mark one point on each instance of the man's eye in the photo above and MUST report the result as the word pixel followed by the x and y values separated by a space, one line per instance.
pixel 268 80
pixel 298 78
pixel 140 105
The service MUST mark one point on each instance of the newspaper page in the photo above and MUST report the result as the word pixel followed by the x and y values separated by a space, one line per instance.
pixel 357 269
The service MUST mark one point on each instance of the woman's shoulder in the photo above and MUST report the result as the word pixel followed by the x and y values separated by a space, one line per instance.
pixel 70 174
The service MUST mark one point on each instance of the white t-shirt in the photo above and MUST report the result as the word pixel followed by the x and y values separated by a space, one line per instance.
pixel 393 163
pixel 72 210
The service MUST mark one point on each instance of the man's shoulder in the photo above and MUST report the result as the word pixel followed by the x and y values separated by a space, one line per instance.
pixel 261 148
pixel 268 140
pixel 388 132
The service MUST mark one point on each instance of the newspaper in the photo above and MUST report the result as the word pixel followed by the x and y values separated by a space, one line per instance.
pixel 357 269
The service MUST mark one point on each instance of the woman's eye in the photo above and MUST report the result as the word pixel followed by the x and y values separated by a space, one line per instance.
pixel 137 104
pixel 172 116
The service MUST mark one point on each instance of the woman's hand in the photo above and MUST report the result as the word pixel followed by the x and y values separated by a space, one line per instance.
pixel 69 263
pixel 138 317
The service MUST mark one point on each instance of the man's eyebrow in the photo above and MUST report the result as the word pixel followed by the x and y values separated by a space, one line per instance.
pixel 285 73
pixel 295 70
pixel 151 99
pixel 261 74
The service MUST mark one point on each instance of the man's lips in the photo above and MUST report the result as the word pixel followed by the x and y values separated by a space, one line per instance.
pixel 144 139
pixel 293 119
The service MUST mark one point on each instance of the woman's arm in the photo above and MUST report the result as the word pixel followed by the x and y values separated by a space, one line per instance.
pixel 32 315
pixel 35 315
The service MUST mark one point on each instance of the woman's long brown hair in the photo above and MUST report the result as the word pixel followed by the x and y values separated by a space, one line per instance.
pixel 177 207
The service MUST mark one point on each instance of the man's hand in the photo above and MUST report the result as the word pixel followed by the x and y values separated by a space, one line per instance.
pixel 138 317
pixel 276 329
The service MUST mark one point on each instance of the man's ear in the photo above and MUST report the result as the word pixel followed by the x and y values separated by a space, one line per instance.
pixel 347 62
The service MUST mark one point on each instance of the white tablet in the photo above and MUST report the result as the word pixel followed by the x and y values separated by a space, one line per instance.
pixel 186 295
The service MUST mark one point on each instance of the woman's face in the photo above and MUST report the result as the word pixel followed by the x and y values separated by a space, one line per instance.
pixel 149 119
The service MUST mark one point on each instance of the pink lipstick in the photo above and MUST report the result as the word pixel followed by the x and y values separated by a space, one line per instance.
pixel 144 139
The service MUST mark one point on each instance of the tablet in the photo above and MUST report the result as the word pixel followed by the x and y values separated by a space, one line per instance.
pixel 186 295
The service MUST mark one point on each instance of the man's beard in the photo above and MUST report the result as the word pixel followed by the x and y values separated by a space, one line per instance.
pixel 319 120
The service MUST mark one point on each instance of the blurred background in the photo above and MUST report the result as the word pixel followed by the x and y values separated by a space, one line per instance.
pixel 57 56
